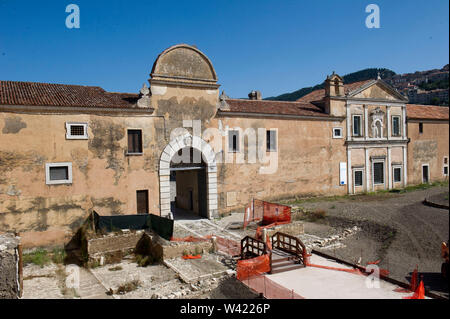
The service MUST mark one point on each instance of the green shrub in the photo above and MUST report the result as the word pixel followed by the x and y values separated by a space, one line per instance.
pixel 58 255
pixel 38 257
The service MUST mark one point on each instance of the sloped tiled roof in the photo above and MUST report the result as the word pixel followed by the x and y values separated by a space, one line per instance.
pixel 62 95
pixel 318 95
pixel 427 112
pixel 274 107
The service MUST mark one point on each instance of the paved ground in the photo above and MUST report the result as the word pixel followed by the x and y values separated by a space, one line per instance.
pixel 395 228
pixel 309 283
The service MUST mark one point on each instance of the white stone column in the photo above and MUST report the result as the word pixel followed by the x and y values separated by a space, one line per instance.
pixel 389 168
pixel 404 121
pixel 366 122
pixel 367 170
pixel 349 171
pixel 349 123
pixel 405 166
pixel 388 120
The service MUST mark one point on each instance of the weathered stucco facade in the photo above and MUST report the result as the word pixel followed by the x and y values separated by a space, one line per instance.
pixel 128 155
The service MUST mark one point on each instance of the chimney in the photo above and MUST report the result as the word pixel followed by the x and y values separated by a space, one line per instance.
pixel 255 95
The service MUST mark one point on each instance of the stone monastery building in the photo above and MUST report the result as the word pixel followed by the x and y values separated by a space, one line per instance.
pixel 181 146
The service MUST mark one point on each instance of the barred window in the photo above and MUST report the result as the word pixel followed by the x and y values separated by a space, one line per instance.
pixel 378 173
pixel 76 131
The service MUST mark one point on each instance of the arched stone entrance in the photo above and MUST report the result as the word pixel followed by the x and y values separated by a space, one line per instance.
pixel 209 157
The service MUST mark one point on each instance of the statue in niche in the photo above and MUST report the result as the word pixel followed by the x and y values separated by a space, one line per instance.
pixel 377 117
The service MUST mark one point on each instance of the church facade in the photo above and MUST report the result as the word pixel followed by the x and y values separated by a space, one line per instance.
pixel 181 146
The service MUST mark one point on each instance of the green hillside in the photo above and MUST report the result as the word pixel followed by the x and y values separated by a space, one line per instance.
pixel 362 75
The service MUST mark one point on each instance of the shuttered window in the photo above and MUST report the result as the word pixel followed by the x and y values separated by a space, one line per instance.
pixel 233 141
pixel 378 173
pixel 271 139
pixel 134 141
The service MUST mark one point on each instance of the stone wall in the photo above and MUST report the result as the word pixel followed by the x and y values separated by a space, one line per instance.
pixel 9 267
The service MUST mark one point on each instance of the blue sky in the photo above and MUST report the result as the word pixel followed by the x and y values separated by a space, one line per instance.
pixel 272 46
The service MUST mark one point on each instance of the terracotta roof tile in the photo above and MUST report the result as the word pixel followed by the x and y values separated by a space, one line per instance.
pixel 318 95
pixel 274 107
pixel 63 95
pixel 427 112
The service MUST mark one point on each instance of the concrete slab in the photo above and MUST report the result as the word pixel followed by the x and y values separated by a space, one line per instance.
pixel 319 283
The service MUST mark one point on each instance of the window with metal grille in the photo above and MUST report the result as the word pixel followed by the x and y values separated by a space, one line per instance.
pixel 359 178
pixel 397 174
pixel 134 141
pixel 378 173
pixel 357 125
pixel 271 139
pixel 233 141
pixel 396 126
pixel 76 131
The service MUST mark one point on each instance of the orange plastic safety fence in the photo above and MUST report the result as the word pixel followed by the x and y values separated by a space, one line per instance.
pixel 192 256
pixel 413 284
pixel 267 213
pixel 353 271
pixel 248 268
pixel 276 213
pixel 270 289
pixel 419 293
pixel 274 290
pixel 191 239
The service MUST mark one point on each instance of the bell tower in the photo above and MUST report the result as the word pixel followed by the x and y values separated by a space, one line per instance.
pixel 334 85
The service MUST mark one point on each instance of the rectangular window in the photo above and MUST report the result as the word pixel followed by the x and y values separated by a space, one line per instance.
pixel 396 126
pixel 378 173
pixel 58 173
pixel 233 141
pixel 358 178
pixel 134 141
pixel 142 202
pixel 420 128
pixel 271 139
pixel 76 131
pixel 425 174
pixel 397 174
pixel 445 166
pixel 337 132
pixel 357 125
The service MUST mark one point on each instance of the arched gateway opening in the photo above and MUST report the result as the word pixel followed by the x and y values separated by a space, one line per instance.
pixel 194 181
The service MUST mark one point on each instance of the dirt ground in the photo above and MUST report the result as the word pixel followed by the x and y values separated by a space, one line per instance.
pixel 395 228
